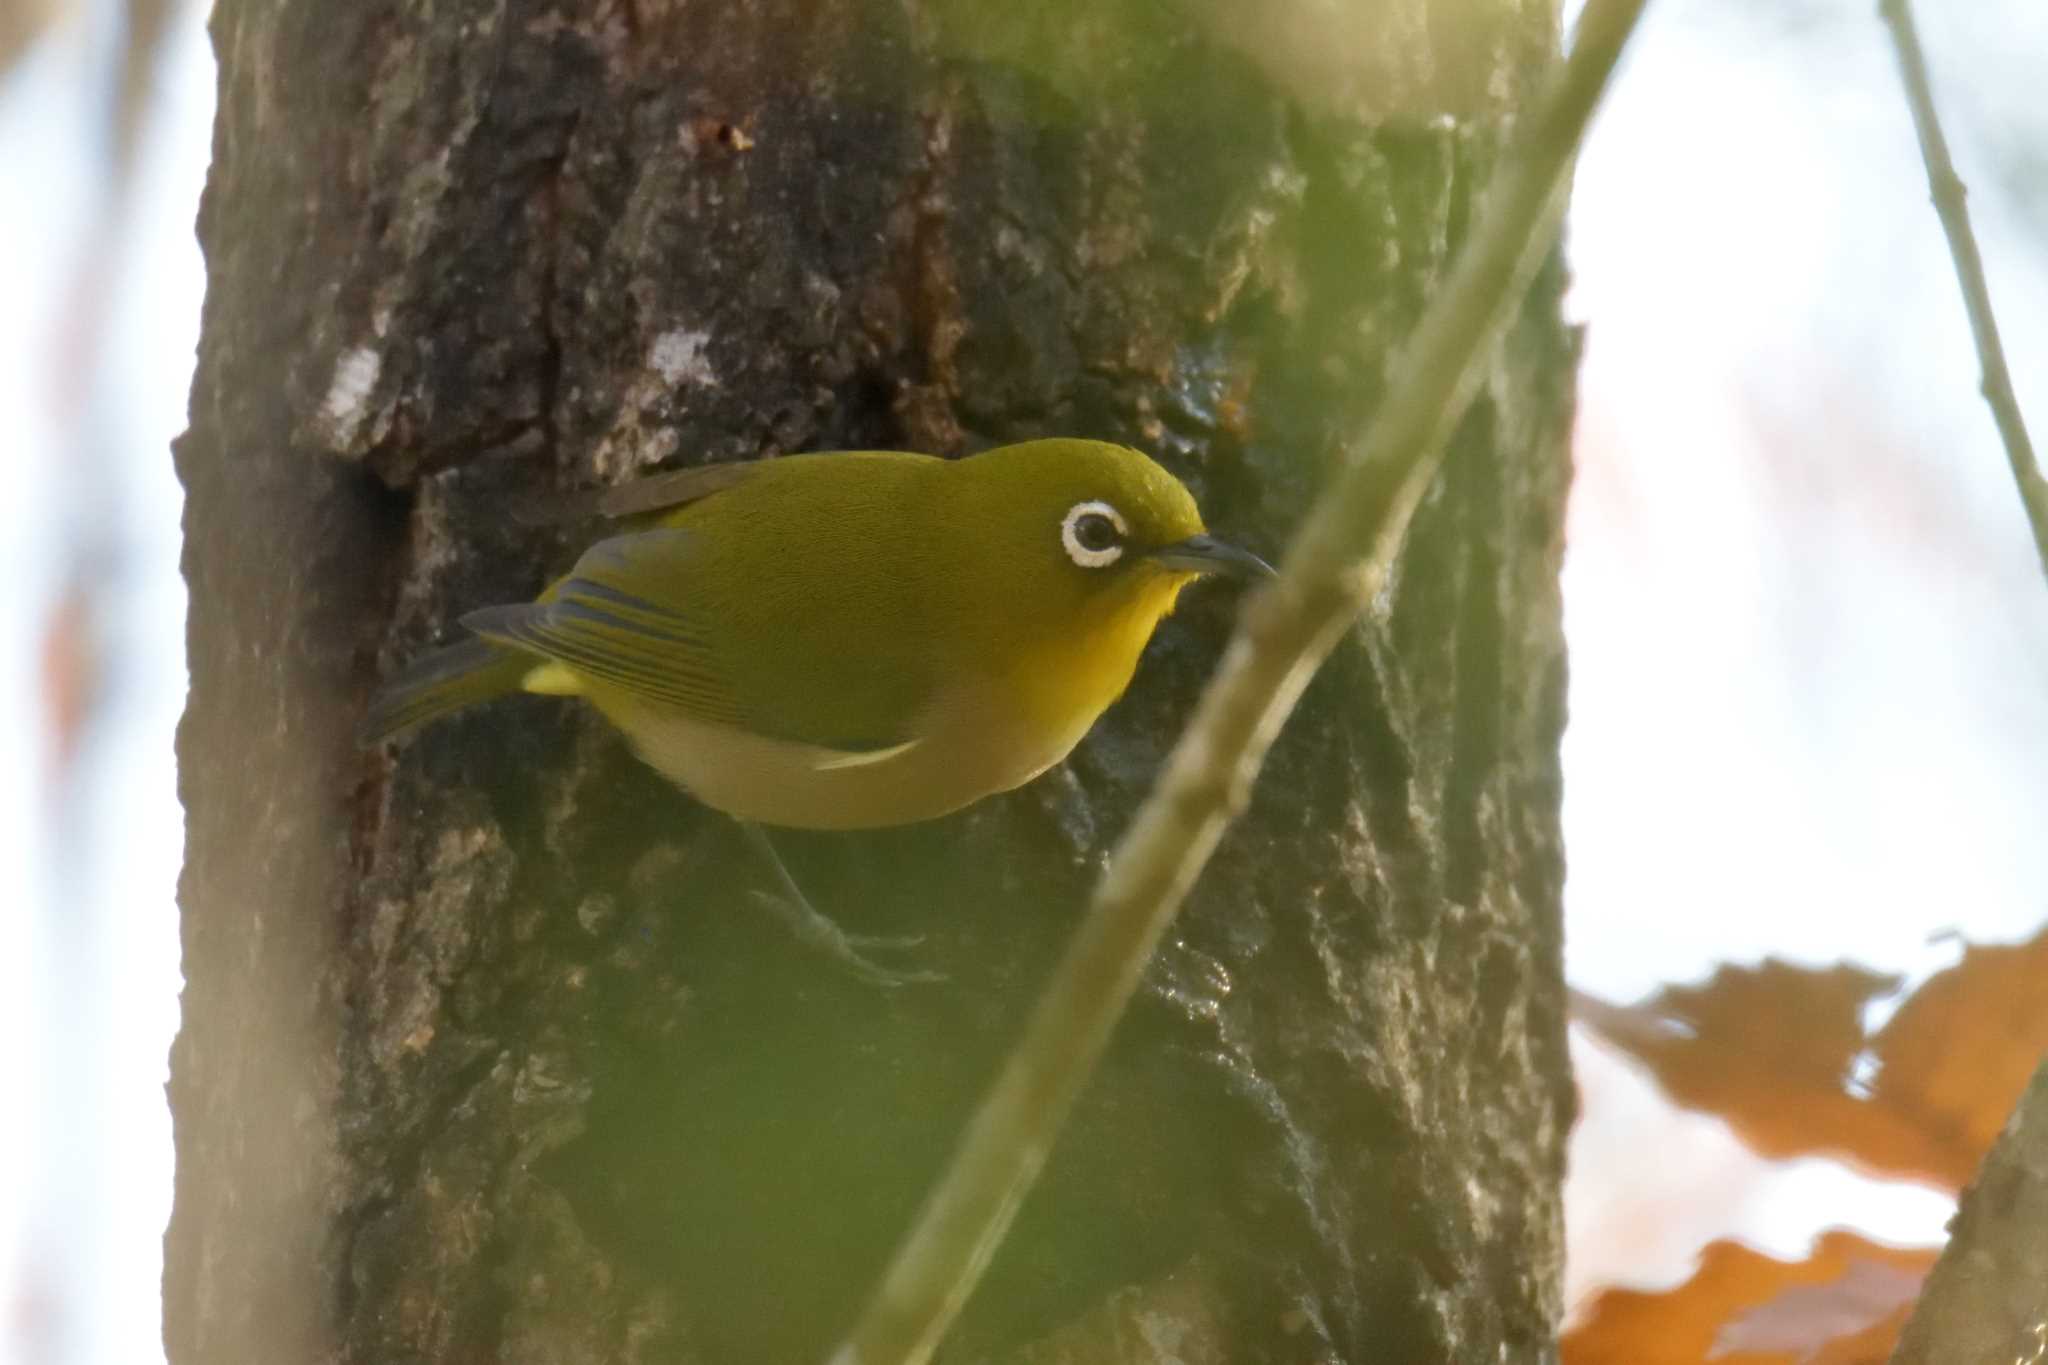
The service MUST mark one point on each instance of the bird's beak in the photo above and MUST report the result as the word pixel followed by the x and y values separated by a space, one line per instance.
pixel 1206 554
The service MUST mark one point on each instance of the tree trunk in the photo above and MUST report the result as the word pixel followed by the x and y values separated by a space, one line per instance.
pixel 487 1055
pixel 1986 1300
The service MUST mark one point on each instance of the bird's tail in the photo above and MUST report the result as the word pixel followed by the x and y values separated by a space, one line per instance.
pixel 446 680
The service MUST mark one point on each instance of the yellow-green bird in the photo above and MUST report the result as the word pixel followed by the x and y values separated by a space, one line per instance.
pixel 849 640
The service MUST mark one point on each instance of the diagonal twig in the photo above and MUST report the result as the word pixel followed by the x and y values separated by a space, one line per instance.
pixel 1335 565
pixel 1949 196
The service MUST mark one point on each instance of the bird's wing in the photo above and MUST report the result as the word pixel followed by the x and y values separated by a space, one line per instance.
pixel 605 623
pixel 601 623
pixel 657 493
pixel 664 492
pixel 672 489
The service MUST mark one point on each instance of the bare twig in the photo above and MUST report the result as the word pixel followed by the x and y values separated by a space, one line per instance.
pixel 1949 196
pixel 1335 565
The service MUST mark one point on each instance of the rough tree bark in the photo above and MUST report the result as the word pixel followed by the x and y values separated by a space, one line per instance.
pixel 486 1055
pixel 1986 1301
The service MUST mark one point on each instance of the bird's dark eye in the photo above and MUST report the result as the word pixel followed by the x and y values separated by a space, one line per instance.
pixel 1095 532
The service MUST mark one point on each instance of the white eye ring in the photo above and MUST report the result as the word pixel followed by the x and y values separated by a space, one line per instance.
pixel 1070 534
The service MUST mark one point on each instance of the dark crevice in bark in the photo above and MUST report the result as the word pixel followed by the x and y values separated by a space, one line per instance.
pixel 546 321
pixel 1476 661
pixel 924 403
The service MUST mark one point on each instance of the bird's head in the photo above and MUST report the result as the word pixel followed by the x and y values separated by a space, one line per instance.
pixel 1086 532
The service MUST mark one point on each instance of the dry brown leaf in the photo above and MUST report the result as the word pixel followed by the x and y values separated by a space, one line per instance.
pixel 1960 1051
pixel 1772 1049
pixel 1843 1305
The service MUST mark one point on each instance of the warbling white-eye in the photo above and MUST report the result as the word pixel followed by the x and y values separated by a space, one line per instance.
pixel 842 641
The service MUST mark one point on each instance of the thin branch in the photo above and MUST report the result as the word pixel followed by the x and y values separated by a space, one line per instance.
pixel 1337 562
pixel 1949 196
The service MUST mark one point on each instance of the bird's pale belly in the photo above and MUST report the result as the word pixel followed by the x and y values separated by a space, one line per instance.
pixel 986 734
pixel 967 754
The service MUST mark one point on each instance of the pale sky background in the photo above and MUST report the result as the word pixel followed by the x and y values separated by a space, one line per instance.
pixel 1809 640
pixel 88 939
pixel 1808 631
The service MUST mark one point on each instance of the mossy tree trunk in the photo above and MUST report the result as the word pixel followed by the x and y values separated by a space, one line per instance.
pixel 487 1056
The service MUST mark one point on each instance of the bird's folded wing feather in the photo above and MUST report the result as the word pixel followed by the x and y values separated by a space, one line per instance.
pixel 676 488
pixel 636 498
pixel 601 624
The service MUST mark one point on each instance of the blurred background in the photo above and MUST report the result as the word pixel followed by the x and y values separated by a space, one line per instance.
pixel 1809 637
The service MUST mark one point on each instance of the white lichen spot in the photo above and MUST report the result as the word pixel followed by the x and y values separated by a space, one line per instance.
pixel 348 397
pixel 677 355
pixel 659 446
pixel 1166 1337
